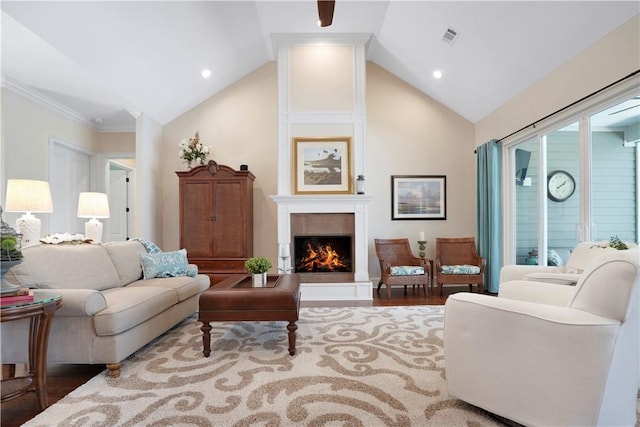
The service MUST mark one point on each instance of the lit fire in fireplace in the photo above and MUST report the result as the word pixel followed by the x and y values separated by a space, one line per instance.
pixel 321 258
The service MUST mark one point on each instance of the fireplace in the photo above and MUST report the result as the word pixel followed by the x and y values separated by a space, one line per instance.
pixel 322 254
pixel 322 216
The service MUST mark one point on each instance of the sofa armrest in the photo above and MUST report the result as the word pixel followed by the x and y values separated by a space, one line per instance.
pixel 80 302
pixel 518 272
pixel 538 292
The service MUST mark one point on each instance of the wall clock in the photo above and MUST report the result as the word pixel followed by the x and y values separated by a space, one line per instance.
pixel 560 185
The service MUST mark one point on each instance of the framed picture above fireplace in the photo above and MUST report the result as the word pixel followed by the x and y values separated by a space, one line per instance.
pixel 322 165
pixel 418 197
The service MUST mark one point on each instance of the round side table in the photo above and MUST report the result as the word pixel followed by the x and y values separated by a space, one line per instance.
pixel 40 311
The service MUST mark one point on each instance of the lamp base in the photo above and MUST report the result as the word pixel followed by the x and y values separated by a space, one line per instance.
pixel 93 230
pixel 29 226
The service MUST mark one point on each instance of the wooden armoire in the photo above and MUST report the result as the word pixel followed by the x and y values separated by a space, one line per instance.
pixel 216 219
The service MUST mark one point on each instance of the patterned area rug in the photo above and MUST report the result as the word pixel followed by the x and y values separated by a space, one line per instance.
pixel 365 366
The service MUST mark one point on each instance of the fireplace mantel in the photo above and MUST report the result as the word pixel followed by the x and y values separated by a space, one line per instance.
pixel 361 288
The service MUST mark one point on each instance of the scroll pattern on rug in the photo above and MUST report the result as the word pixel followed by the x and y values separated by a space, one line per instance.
pixel 364 366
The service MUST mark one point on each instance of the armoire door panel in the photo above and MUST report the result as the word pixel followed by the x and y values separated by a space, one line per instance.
pixel 230 234
pixel 197 229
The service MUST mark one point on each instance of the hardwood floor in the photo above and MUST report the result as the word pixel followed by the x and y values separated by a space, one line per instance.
pixel 62 379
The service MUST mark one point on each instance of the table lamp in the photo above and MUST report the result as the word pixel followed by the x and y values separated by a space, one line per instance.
pixel 28 196
pixel 94 206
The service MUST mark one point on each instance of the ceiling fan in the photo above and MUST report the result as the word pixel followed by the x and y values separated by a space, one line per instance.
pixel 325 12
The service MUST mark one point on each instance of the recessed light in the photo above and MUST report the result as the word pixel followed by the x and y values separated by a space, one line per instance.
pixel 437 74
pixel 206 73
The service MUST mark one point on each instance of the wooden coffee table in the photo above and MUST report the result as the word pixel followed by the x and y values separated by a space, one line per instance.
pixel 235 298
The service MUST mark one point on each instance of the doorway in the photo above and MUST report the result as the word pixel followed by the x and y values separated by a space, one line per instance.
pixel 119 191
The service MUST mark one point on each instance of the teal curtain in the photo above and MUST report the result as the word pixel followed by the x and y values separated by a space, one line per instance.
pixel 489 211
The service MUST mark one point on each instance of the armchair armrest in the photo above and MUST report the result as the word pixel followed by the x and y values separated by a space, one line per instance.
pixel 482 263
pixel 80 302
pixel 557 278
pixel 518 272
pixel 538 292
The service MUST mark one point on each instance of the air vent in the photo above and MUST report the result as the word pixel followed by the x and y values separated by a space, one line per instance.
pixel 450 36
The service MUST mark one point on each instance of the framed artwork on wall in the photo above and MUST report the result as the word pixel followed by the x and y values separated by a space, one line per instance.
pixel 322 165
pixel 418 197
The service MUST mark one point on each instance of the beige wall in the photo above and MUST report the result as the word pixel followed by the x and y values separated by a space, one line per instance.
pixel 118 142
pixel 26 129
pixel 408 133
pixel 321 78
pixel 606 61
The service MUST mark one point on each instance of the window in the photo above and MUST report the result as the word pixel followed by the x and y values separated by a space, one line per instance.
pixel 576 179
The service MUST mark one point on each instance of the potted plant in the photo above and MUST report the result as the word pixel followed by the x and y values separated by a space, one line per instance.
pixel 258 266
pixel 10 253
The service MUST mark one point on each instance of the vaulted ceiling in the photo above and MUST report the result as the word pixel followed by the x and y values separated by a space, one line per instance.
pixel 103 60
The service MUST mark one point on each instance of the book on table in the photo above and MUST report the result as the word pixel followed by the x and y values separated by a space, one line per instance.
pixel 12 299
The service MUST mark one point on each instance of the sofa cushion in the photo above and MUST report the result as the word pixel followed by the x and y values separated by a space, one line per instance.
pixel 165 264
pixel 83 266
pixel 130 306
pixel 126 259
pixel 185 287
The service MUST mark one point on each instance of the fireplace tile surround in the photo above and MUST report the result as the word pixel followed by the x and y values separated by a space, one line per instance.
pixel 329 214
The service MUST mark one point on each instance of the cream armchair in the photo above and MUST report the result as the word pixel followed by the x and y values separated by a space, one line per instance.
pixel 543 354
pixel 569 274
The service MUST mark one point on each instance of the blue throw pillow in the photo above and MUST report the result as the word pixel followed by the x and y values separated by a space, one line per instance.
pixel 165 264
pixel 553 258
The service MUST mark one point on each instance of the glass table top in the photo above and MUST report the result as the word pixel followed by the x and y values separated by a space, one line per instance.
pixel 39 297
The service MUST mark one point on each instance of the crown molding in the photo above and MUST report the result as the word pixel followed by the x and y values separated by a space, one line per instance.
pixel 45 101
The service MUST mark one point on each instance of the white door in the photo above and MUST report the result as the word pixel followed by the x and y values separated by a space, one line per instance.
pixel 117 227
pixel 70 175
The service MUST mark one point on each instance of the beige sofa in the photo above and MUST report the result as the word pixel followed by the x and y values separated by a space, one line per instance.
pixel 108 310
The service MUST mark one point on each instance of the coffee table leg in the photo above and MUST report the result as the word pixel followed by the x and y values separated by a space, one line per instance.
pixel 291 327
pixel 206 338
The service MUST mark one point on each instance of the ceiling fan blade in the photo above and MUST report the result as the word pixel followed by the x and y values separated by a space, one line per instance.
pixel 325 12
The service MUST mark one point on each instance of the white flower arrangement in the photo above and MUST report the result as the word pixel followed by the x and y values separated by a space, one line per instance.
pixel 193 151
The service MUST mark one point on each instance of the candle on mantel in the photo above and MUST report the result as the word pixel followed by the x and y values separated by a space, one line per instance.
pixel 284 250
pixel 421 236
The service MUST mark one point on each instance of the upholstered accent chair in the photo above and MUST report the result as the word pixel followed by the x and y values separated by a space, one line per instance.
pixel 458 263
pixel 400 267
pixel 546 354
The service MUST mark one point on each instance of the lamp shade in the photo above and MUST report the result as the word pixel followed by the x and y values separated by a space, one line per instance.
pixel 25 195
pixel 93 205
